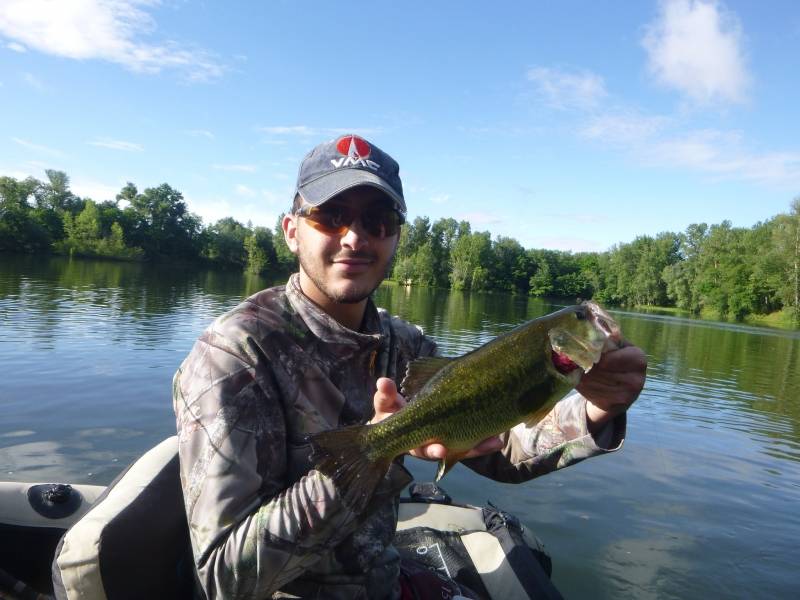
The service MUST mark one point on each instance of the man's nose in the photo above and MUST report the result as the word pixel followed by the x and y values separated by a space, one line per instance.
pixel 356 236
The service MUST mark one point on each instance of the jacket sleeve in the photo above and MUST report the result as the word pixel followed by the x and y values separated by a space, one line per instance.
pixel 559 440
pixel 250 533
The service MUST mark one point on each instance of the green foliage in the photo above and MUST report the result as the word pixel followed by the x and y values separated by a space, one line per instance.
pixel 736 273
pixel 85 235
pixel 261 257
pixel 786 240
pixel 162 225
pixel 286 261
pixel 22 228
pixel 470 255
pixel 224 242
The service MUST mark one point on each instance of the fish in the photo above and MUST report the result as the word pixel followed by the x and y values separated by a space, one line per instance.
pixel 458 402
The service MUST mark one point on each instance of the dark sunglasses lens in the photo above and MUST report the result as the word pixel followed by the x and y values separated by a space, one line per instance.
pixel 334 219
pixel 381 222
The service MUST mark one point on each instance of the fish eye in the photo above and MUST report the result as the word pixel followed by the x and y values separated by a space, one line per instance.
pixel 579 314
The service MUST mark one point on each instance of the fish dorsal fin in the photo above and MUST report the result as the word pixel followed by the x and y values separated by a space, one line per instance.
pixel 420 371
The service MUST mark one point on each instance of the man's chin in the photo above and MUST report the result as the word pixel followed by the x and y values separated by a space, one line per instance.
pixel 352 294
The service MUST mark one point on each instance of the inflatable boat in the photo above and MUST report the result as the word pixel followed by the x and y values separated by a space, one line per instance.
pixel 130 540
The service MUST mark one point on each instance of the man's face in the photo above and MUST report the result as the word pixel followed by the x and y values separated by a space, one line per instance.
pixel 341 267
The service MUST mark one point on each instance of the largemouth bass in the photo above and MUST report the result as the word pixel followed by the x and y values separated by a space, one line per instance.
pixel 458 402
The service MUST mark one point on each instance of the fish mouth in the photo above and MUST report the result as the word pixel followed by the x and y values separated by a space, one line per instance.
pixel 606 324
pixel 563 363
pixel 570 352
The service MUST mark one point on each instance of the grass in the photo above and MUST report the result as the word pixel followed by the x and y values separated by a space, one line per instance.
pixel 782 319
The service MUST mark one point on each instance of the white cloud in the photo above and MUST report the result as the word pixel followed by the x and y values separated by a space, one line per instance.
pixel 96 190
pixel 282 198
pixel 695 46
pixel 16 47
pixel 658 142
pixel 37 147
pixel 116 145
pixel 440 198
pixel 623 127
pixel 212 210
pixel 563 89
pixel 723 154
pixel 16 173
pixel 200 133
pixel 243 190
pixel 103 30
pixel 236 168
pixel 33 81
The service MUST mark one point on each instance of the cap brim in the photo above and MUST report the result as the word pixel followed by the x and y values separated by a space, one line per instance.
pixel 324 188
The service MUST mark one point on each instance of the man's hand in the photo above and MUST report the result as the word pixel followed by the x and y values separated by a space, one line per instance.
pixel 388 401
pixel 613 384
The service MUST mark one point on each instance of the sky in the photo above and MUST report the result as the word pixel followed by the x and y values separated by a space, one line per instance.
pixel 565 125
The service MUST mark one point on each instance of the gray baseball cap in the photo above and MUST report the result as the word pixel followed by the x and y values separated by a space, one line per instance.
pixel 347 162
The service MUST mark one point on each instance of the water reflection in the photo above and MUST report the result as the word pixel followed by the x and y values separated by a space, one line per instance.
pixel 702 501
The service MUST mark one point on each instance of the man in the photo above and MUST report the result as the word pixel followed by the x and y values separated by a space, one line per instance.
pixel 316 354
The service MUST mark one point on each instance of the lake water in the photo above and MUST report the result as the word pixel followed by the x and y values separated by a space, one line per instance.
pixel 703 500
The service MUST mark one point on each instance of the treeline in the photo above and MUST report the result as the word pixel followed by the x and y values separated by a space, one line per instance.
pixel 153 225
pixel 731 271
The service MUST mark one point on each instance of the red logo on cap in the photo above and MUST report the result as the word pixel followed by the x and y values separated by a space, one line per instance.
pixel 353 146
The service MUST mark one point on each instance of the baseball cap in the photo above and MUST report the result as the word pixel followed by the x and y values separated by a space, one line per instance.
pixel 347 162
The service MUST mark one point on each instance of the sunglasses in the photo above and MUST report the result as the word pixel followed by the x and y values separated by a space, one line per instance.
pixel 335 219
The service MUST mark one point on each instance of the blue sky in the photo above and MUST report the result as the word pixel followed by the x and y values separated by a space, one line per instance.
pixel 568 125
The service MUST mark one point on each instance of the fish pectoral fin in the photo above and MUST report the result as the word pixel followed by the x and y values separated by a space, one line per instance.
pixel 447 463
pixel 420 371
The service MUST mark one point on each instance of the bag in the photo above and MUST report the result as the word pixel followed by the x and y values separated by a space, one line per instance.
pixel 486 549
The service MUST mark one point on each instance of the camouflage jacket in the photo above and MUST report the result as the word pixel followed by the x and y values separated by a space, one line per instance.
pixel 262 377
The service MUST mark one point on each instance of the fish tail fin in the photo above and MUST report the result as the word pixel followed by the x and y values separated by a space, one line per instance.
pixel 447 463
pixel 343 455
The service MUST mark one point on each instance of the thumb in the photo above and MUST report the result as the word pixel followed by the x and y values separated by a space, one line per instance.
pixel 386 399
pixel 386 386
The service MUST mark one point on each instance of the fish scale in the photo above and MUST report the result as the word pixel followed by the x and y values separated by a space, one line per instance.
pixel 461 401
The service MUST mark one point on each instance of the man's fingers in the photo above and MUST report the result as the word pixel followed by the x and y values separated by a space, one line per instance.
pixel 487 446
pixel 386 399
pixel 627 359
pixel 432 451
pixel 436 451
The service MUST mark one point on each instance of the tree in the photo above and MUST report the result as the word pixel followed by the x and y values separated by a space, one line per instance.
pixel 285 258
pixel 261 257
pixel 470 252
pixel 164 226
pixel 224 242
pixel 506 254
pixel 541 280
pixel 787 243
pixel 424 265
pixel 443 235
pixel 21 227
pixel 56 195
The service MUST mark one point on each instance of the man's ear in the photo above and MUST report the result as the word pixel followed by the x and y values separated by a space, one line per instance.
pixel 289 226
